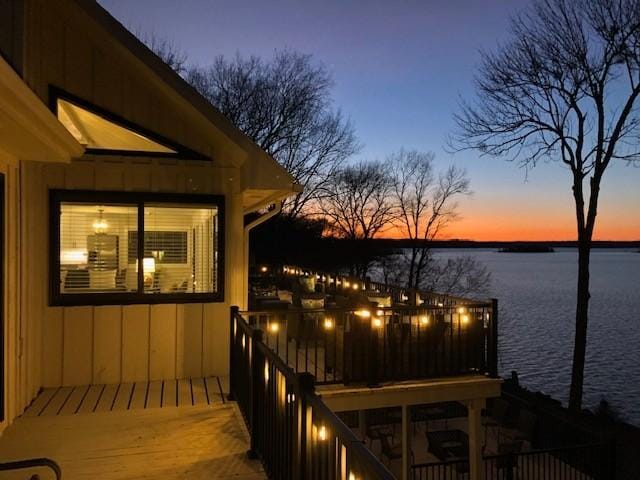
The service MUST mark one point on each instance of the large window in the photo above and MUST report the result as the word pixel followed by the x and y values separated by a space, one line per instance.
pixel 99 255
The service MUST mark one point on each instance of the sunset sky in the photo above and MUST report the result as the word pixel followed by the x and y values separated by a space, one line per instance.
pixel 399 69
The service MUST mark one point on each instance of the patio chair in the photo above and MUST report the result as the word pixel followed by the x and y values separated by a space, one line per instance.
pixel 448 444
pixel 377 433
pixel 393 451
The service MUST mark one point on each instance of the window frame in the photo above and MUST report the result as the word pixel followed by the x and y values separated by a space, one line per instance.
pixel 181 152
pixel 139 199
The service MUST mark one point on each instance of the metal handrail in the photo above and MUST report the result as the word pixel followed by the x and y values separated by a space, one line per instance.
pixel 553 450
pixel 278 406
pixel 400 343
pixel 32 463
pixel 399 308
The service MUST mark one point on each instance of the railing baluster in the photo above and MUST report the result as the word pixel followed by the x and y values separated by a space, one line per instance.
pixel 280 406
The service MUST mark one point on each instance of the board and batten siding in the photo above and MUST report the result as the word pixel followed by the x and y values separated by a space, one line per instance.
pixel 125 343
pixel 21 382
pixel 68 49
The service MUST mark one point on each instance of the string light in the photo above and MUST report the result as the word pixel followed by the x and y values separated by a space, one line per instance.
pixel 322 433
pixel 328 323
pixel 377 322
pixel 363 313
pixel 274 327
pixel 424 320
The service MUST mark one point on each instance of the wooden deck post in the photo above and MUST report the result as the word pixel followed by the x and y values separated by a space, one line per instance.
pixel 232 341
pixel 257 388
pixel 306 383
pixel 493 352
pixel 476 470
pixel 406 442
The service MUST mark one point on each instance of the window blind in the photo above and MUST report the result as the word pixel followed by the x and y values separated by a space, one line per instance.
pixel 179 249
pixel 92 257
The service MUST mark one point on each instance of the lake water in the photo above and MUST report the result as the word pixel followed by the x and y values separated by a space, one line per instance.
pixel 536 294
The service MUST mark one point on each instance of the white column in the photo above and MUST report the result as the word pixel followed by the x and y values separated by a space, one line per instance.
pixel 406 442
pixel 476 438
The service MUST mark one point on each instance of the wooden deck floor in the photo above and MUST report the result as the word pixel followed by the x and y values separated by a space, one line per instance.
pixel 112 432
pixel 129 396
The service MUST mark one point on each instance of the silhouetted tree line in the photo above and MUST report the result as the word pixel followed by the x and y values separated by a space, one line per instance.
pixel 284 104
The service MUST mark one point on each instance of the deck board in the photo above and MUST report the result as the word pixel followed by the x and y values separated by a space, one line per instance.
pixel 128 396
pixel 223 382
pixel 90 401
pixel 123 397
pixel 196 442
pixel 72 404
pixel 169 395
pixel 57 402
pixel 184 392
pixel 199 392
pixel 107 398
pixel 40 403
pixel 213 390
pixel 154 394
pixel 139 396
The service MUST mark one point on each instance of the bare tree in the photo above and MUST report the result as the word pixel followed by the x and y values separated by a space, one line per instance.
pixel 357 201
pixel 166 49
pixel 565 87
pixel 462 276
pixel 356 204
pixel 426 203
pixel 284 105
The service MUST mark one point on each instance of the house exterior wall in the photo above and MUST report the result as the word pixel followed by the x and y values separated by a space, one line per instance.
pixel 59 44
pixel 66 47
pixel 74 46
pixel 110 344
pixel 16 388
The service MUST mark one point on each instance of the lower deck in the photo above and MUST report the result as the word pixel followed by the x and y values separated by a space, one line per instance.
pixel 143 430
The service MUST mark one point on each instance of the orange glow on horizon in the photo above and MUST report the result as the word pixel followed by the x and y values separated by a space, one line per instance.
pixel 532 227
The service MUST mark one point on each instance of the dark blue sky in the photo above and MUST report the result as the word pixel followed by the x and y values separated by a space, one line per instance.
pixel 399 68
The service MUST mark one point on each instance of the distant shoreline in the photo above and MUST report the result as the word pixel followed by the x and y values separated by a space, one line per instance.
pixel 405 243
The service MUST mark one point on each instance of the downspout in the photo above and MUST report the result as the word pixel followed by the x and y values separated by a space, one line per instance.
pixel 245 271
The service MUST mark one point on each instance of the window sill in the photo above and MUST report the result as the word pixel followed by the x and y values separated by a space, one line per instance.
pixel 98 299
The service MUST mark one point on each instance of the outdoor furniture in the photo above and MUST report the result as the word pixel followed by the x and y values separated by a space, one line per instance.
pixel 450 445
pixel 304 326
pixel 377 433
pixel 433 411
pixel 392 451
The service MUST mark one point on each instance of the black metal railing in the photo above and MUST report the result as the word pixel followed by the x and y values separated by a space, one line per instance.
pixel 448 470
pixel 335 283
pixel 581 462
pixel 32 464
pixel 292 432
pixel 372 345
